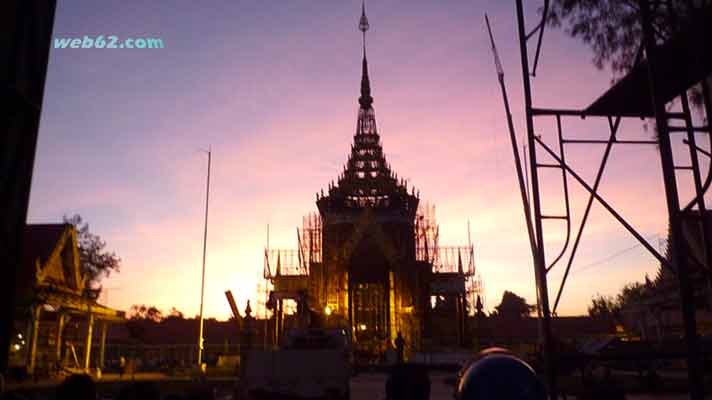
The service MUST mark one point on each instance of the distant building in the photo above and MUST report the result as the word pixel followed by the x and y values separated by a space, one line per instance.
pixel 657 316
pixel 521 335
pixel 55 325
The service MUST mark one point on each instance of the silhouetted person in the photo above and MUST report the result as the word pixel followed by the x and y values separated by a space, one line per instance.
pixel 408 382
pixel 77 387
pixel 400 344
pixel 140 391
pixel 201 392
pixel 122 366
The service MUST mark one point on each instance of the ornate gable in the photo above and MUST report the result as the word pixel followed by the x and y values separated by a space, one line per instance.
pixel 51 258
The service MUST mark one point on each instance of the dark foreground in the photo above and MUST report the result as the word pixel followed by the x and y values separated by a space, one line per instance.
pixel 365 386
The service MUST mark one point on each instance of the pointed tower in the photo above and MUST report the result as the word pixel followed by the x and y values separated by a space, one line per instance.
pixel 368 236
pixel 367 180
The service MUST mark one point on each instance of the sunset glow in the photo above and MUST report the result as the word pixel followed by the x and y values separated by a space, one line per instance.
pixel 273 88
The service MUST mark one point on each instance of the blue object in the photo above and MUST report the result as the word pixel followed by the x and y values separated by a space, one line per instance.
pixel 500 377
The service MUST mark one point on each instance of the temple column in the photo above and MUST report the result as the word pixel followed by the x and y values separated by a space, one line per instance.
pixel 458 313
pixel 386 310
pixel 463 319
pixel 58 337
pixel 102 348
pixel 87 343
pixel 35 327
pixel 279 320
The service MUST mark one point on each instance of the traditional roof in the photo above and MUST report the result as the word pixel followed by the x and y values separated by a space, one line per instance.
pixel 681 62
pixel 367 179
pixel 49 258
pixel 49 272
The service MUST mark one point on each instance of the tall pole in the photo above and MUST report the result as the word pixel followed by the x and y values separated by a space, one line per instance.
pixel 539 258
pixel 202 282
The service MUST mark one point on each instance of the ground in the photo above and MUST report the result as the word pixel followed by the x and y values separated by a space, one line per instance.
pixel 365 386
pixel 372 387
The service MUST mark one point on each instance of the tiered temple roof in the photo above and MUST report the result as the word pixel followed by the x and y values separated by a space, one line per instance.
pixel 367 179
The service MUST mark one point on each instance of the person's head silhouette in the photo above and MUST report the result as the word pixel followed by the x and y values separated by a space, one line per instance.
pixel 500 376
pixel 77 387
pixel 140 391
pixel 408 382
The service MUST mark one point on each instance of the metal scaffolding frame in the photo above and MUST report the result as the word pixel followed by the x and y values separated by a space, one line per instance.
pixel 666 75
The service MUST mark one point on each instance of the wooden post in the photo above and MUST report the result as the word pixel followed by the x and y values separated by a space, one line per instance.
pixel 102 348
pixel 87 343
pixel 280 321
pixel 58 337
pixel 32 355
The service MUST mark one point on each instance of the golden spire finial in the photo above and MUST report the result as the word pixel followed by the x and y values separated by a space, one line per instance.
pixel 363 22
pixel 363 25
pixel 365 100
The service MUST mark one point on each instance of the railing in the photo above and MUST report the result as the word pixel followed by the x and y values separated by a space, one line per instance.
pixel 448 258
pixel 442 358
pixel 285 262
pixel 166 358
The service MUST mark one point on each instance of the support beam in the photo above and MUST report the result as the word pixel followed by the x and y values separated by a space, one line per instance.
pixel 607 206
pixel 547 340
pixel 34 329
pixel 459 311
pixel 61 319
pixel 87 343
pixel 679 252
pixel 102 349
pixel 280 310
pixel 351 308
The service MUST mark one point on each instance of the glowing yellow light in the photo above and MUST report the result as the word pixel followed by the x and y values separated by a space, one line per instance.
pixel 17 347
pixel 19 335
pixel 327 310
pixel 362 327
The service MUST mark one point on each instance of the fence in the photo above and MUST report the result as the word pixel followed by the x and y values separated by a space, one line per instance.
pixel 153 358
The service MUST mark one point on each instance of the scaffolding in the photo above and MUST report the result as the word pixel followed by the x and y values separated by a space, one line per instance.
pixel 296 262
pixel 444 259
pixel 426 233
pixel 656 87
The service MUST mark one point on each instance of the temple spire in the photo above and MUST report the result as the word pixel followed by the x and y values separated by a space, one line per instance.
pixel 365 100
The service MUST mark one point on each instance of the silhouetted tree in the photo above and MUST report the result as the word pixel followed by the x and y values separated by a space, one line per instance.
pixel 174 314
pixel 147 313
pixel 603 306
pixel 632 294
pixel 513 306
pixel 95 262
pixel 613 30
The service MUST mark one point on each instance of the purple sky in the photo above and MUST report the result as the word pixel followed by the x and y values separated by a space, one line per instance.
pixel 273 87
